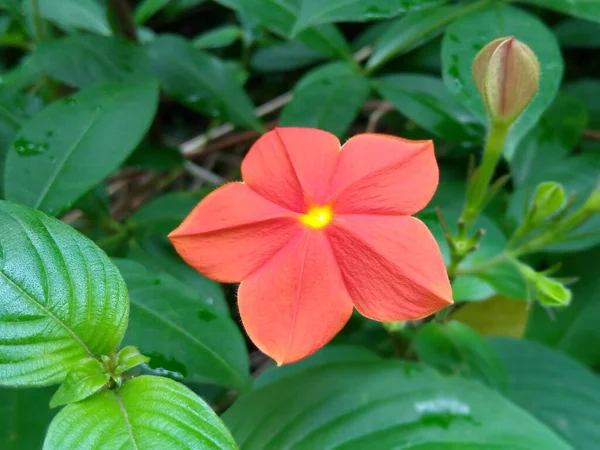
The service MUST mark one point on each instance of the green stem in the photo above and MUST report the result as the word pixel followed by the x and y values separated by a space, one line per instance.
pixel 480 181
pixel 38 26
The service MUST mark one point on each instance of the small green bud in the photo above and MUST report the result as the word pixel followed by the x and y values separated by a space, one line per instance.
pixel 129 357
pixel 549 198
pixel 506 73
pixel 548 291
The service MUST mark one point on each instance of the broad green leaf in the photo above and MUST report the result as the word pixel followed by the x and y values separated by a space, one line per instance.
pixel 61 298
pixel 74 143
pixel 180 332
pixel 585 9
pixel 466 36
pixel 556 389
pixel 83 380
pixel 219 37
pixel 455 349
pixel 382 404
pixel 80 14
pixel 578 33
pixel 587 90
pixel 411 31
pixel 82 60
pixel 146 413
pixel 284 56
pixel 572 329
pixel 544 155
pixel 25 417
pixel 24 74
pixel 325 103
pixel 200 81
pixel 279 17
pixel 146 9
pixel 426 101
pixel 314 12
pixel 496 316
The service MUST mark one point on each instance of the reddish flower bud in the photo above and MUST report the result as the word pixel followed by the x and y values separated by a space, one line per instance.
pixel 506 73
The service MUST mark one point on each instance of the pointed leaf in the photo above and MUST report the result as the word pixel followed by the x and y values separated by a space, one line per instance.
pixel 586 9
pixel 128 358
pixel 74 143
pixel 61 298
pixel 147 412
pixel 83 380
pixel 80 14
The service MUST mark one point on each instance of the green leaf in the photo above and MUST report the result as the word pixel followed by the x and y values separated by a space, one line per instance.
pixel 74 143
pixel 83 380
pixel 324 103
pixel 279 17
pixel 147 412
pixel 578 33
pixel 128 358
pixel 80 14
pixel 314 12
pixel 82 60
pixel 358 405
pixel 284 56
pixel 455 349
pixel 409 32
pixel 25 417
pixel 426 101
pixel 200 81
pixel 554 388
pixel 219 37
pixel 61 298
pixel 146 9
pixel 466 36
pixel 586 90
pixel 586 9
pixel 572 329
pixel 193 339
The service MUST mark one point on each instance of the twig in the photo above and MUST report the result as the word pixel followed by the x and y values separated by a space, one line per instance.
pixel 203 174
pixel 593 135
pixel 377 114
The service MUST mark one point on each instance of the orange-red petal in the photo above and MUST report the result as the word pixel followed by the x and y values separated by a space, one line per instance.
pixel 379 174
pixel 233 232
pixel 391 265
pixel 292 166
pixel 296 302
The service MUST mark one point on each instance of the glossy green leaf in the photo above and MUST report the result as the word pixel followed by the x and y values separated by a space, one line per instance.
pixel 128 358
pixel 353 405
pixel 554 388
pixel 82 60
pixel 586 9
pixel 79 14
pixel 147 8
pixel 83 380
pixel 200 81
pixel 219 37
pixel 572 329
pixel 279 17
pixel 426 101
pixel 466 36
pixel 314 12
pixel 25 417
pixel 180 332
pixel 147 412
pixel 578 33
pixel 456 349
pixel 410 31
pixel 74 143
pixel 61 298
pixel 324 103
pixel 284 56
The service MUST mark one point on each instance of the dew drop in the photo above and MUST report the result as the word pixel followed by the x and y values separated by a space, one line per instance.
pixel 25 147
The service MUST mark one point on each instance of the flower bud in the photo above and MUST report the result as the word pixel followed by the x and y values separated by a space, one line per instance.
pixel 548 291
pixel 548 199
pixel 506 73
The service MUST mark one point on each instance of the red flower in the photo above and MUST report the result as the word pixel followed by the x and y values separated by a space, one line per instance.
pixel 314 231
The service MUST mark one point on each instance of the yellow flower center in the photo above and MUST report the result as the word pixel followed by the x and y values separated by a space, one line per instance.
pixel 317 216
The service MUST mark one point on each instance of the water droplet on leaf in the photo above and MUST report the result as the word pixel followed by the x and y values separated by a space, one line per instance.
pixel 25 147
